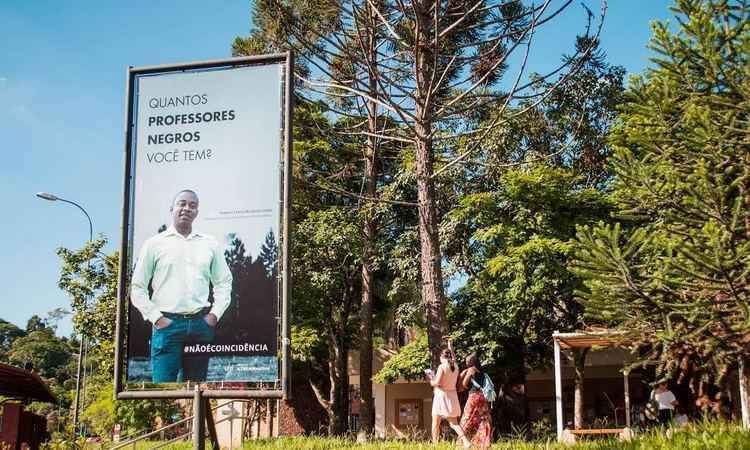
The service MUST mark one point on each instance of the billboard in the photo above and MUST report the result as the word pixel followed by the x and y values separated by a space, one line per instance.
pixel 204 215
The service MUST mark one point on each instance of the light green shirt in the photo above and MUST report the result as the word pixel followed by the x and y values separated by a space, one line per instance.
pixel 180 269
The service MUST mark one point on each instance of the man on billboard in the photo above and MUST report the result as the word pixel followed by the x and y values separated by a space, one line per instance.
pixel 170 288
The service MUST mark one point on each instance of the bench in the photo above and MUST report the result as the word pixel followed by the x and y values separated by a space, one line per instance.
pixel 597 431
pixel 569 436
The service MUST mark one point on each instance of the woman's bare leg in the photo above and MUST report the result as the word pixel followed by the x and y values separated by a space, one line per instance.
pixel 436 420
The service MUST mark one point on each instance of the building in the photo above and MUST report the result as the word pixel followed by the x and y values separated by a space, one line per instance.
pixel 19 428
pixel 403 408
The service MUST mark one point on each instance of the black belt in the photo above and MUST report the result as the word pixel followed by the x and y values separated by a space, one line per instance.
pixel 194 315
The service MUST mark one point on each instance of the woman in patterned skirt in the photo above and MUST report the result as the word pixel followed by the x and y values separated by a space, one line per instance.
pixel 476 421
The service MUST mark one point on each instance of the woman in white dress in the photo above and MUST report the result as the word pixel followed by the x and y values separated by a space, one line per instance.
pixel 445 399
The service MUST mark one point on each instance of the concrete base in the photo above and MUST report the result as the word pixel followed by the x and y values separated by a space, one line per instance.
pixel 229 431
pixel 627 434
pixel 567 437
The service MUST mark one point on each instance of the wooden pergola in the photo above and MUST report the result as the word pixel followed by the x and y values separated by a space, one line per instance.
pixel 582 339
pixel 613 338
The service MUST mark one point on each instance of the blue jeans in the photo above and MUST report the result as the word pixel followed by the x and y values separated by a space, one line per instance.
pixel 168 364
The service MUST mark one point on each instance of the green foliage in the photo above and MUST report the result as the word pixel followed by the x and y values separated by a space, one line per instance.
pixel 53 359
pixel 514 209
pixel 138 416
pixel 408 364
pixel 8 333
pixel 326 272
pixel 48 353
pixel 100 413
pixel 515 242
pixel 306 343
pixel 89 277
pixel 64 443
pixel 35 323
pixel 327 257
pixel 674 271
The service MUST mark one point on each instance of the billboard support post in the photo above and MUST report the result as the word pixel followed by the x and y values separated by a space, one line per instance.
pixel 211 425
pixel 286 375
pixel 199 442
pixel 122 285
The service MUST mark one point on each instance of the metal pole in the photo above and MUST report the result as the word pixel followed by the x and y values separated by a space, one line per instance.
pixel 79 379
pixel 286 287
pixel 198 441
pixel 744 395
pixel 558 391
pixel 627 399
pixel 269 408
pixel 84 384
pixel 77 404
pixel 79 372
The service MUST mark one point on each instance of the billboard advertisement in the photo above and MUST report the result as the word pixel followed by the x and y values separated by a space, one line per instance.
pixel 205 210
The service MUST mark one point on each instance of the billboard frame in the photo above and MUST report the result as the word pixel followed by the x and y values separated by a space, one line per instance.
pixel 284 390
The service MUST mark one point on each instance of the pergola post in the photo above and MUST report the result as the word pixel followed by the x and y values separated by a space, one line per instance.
pixel 627 398
pixel 744 395
pixel 558 390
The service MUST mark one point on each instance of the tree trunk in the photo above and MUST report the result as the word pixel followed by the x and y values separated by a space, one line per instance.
pixel 338 413
pixel 511 413
pixel 431 271
pixel 365 313
pixel 336 403
pixel 579 362
pixel 366 408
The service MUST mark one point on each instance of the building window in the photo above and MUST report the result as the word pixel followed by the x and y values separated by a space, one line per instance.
pixel 409 413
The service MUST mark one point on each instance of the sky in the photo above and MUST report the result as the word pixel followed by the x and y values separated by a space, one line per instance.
pixel 62 100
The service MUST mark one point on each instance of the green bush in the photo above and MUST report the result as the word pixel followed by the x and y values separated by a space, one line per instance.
pixel 409 363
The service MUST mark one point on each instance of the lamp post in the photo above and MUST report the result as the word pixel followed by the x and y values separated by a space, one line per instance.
pixel 76 410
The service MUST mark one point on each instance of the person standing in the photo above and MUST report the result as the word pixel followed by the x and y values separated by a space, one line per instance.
pixel 170 288
pixel 445 399
pixel 667 402
pixel 476 421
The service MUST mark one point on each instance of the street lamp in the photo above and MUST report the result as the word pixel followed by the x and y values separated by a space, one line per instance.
pixel 54 198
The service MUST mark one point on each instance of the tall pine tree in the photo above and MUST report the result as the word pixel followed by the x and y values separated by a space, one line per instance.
pixel 674 270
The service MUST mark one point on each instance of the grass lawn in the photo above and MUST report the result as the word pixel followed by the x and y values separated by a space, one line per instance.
pixel 702 436
pixel 707 436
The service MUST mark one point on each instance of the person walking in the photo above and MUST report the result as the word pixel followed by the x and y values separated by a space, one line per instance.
pixel 667 402
pixel 476 421
pixel 445 399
